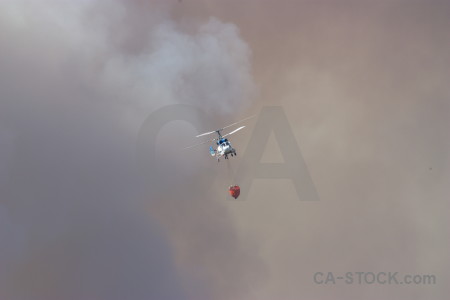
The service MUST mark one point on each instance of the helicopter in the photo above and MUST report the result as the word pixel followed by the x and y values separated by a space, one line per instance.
pixel 224 147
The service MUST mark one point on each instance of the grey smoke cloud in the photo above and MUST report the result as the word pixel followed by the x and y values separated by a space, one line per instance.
pixel 364 86
pixel 77 80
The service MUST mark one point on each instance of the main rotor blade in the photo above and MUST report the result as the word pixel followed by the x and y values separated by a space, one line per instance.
pixel 233 131
pixel 206 133
pixel 237 122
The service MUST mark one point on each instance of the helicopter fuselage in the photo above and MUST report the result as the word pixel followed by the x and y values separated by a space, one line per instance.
pixel 223 149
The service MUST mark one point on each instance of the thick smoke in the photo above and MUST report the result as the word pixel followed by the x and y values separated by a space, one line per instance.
pixel 365 87
pixel 77 80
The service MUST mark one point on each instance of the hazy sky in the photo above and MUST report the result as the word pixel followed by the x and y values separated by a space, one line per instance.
pixel 364 86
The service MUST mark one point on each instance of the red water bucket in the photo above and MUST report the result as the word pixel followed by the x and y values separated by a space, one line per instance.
pixel 234 191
